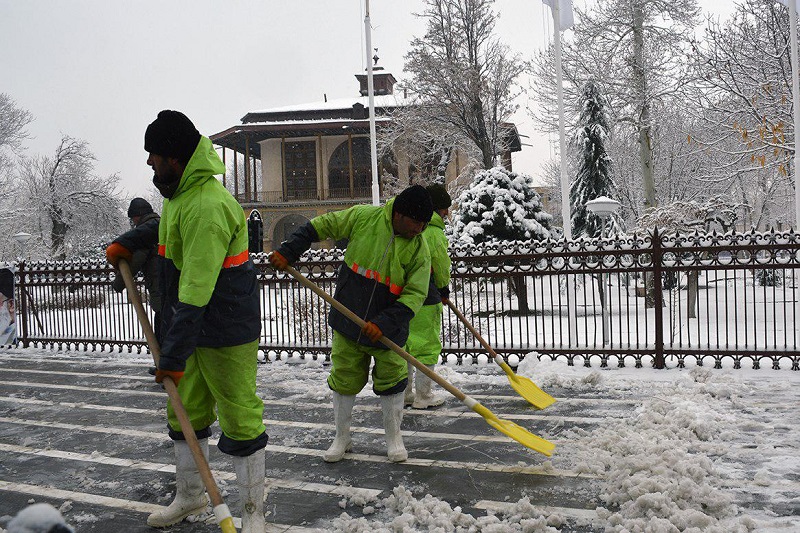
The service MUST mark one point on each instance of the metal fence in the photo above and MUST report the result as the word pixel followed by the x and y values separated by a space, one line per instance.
pixel 722 299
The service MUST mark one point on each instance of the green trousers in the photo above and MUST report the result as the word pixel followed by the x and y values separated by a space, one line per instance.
pixel 350 363
pixel 424 334
pixel 222 382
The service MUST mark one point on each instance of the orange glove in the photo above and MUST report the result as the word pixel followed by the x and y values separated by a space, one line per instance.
pixel 115 252
pixel 277 261
pixel 176 375
pixel 372 332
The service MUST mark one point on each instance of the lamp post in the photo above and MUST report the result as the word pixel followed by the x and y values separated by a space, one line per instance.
pixel 21 238
pixel 604 207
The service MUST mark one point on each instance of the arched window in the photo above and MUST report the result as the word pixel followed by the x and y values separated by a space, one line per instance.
pixel 339 169
pixel 285 227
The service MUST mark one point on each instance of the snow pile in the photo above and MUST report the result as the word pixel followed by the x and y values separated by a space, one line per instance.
pixel 402 512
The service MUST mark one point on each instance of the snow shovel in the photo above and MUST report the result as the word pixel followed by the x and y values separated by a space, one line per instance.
pixel 511 429
pixel 221 511
pixel 525 387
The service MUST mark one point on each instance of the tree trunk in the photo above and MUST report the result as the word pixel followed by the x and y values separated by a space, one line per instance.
pixel 643 125
pixel 520 288
pixel 692 290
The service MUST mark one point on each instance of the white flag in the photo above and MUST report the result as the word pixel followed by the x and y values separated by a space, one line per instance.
pixel 565 12
pixel 786 3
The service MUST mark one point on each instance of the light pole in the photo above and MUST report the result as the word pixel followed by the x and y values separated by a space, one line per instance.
pixel 21 238
pixel 604 207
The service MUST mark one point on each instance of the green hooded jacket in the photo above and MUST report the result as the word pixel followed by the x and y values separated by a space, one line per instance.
pixel 384 278
pixel 209 286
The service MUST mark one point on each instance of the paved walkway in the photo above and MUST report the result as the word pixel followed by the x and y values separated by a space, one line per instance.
pixel 92 433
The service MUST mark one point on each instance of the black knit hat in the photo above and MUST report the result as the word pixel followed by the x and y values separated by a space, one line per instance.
pixel 414 202
pixel 172 134
pixel 439 196
pixel 139 207
pixel 7 283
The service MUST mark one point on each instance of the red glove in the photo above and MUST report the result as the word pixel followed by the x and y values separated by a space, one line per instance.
pixel 277 261
pixel 115 252
pixel 176 375
pixel 445 300
pixel 372 332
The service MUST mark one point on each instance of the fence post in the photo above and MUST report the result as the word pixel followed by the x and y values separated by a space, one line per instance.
pixel 23 300
pixel 658 298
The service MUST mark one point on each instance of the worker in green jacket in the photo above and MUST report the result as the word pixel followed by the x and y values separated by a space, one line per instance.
pixel 384 280
pixel 425 329
pixel 211 317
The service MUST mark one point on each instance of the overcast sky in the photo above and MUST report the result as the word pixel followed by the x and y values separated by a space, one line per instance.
pixel 100 70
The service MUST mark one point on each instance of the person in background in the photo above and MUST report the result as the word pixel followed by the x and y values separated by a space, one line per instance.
pixel 8 312
pixel 141 243
pixel 425 329
pixel 384 280
pixel 210 317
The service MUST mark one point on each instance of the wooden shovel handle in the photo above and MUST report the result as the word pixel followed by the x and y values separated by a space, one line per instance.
pixel 386 342
pixel 472 329
pixel 171 388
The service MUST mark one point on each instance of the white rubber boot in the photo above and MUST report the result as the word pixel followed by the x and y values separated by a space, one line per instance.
pixel 190 494
pixel 342 416
pixel 425 397
pixel 250 478
pixel 392 418
pixel 408 397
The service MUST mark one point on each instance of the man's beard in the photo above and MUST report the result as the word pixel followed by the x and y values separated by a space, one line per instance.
pixel 168 185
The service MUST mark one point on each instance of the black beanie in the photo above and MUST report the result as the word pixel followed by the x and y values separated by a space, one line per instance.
pixel 414 202
pixel 7 283
pixel 172 134
pixel 139 207
pixel 439 196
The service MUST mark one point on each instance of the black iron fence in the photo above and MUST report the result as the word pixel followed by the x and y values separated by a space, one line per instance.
pixel 721 299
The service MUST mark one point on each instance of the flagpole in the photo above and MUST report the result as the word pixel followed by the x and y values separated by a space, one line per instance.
pixel 795 109
pixel 373 144
pixel 562 151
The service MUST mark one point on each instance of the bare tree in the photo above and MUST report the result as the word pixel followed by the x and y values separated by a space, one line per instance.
pixel 744 70
pixel 70 207
pixel 463 75
pixel 636 50
pixel 13 121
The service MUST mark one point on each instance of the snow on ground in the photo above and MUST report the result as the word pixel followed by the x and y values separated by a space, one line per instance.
pixel 694 447
pixel 704 450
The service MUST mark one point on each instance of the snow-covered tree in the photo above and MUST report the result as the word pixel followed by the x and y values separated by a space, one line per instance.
pixel 69 208
pixel 13 121
pixel 464 77
pixel 745 90
pixel 595 175
pixel 500 205
pixel 637 50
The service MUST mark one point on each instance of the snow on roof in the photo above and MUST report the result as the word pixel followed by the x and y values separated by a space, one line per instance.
pixel 385 100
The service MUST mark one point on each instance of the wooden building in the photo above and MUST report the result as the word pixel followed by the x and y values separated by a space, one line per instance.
pixel 295 162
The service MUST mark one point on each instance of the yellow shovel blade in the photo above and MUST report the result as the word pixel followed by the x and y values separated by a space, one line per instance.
pixel 518 433
pixel 528 390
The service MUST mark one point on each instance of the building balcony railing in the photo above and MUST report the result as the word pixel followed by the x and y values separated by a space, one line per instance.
pixel 305 195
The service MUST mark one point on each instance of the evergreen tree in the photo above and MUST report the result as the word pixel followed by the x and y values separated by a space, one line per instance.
pixel 595 169
pixel 500 205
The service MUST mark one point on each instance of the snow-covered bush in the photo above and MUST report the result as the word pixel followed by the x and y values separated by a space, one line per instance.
pixel 500 205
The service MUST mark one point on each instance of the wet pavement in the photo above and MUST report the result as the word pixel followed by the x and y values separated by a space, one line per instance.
pixel 89 430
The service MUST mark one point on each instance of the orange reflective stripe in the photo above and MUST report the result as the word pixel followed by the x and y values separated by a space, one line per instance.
pixel 236 260
pixel 372 274
pixel 230 261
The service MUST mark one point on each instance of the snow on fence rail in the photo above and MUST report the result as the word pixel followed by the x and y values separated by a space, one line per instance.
pixel 725 299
